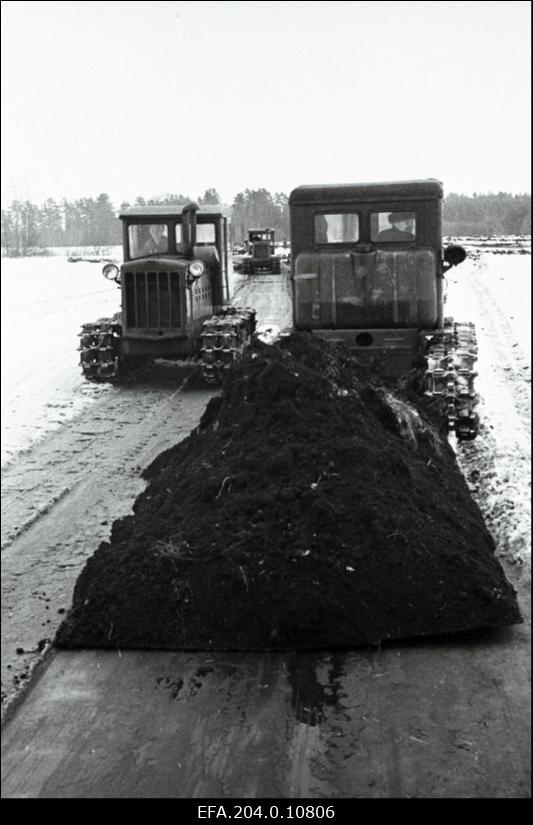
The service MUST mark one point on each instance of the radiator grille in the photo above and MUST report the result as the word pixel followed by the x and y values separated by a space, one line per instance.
pixel 261 251
pixel 153 299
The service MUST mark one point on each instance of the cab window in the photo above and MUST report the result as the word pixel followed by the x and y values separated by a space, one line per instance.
pixel 205 233
pixel 337 227
pixel 147 239
pixel 393 227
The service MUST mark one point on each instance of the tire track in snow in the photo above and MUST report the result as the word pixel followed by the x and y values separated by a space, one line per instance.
pixel 496 464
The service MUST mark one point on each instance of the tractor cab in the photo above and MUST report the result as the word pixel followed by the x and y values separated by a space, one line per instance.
pixel 174 276
pixel 175 297
pixel 367 266
pixel 256 237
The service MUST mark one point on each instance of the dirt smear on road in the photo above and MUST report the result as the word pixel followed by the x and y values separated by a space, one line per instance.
pixel 311 508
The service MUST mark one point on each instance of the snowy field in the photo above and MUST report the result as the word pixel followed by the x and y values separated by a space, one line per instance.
pixel 507 284
pixel 44 302
pixel 112 252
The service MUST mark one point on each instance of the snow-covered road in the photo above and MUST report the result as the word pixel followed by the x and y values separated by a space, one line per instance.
pixel 494 292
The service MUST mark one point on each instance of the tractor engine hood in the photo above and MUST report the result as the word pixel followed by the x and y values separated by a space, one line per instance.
pixel 163 263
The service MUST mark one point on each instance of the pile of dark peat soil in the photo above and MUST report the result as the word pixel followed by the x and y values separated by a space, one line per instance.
pixel 310 508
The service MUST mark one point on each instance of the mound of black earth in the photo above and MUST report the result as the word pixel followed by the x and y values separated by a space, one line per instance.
pixel 310 508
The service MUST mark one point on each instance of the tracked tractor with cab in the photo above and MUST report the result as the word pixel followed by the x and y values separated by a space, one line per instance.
pixel 368 270
pixel 261 255
pixel 174 297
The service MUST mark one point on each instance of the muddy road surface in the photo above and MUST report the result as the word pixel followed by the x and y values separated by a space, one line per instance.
pixel 61 497
pixel 432 719
pixel 436 718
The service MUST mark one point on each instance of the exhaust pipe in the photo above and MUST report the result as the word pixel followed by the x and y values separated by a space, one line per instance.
pixel 189 228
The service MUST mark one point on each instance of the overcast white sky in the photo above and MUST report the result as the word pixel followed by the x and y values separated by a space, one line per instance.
pixel 144 98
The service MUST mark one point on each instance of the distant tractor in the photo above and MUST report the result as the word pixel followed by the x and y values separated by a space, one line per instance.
pixel 261 253
pixel 367 268
pixel 174 296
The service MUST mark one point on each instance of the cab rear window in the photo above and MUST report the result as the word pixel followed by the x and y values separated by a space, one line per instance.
pixel 393 227
pixel 337 227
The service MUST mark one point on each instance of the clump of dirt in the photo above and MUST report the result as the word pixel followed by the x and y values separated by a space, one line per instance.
pixel 310 508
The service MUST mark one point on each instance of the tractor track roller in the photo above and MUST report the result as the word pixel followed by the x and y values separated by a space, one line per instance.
pixel 225 337
pixel 99 349
pixel 451 354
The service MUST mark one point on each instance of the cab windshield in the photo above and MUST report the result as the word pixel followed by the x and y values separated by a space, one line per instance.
pixel 147 239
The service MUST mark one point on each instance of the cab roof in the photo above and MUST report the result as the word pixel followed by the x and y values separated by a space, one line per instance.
pixel 408 190
pixel 164 211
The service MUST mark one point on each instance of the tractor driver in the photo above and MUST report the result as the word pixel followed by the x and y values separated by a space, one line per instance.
pixel 402 228
pixel 157 239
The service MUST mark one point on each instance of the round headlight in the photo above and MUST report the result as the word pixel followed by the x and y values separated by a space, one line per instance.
pixel 111 272
pixel 196 269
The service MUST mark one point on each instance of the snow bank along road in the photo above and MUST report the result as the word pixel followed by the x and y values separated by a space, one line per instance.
pixel 436 718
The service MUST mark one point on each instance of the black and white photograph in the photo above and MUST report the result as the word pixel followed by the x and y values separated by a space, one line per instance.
pixel 266 403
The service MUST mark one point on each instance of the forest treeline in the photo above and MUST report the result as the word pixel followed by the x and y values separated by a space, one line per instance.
pixel 93 222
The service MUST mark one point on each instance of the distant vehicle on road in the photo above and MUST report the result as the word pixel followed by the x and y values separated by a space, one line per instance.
pixel 261 253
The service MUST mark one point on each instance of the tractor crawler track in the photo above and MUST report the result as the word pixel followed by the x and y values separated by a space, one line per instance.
pixel 451 354
pixel 100 349
pixel 225 338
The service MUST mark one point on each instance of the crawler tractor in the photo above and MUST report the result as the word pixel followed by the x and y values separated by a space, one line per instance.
pixel 368 270
pixel 174 296
pixel 261 251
